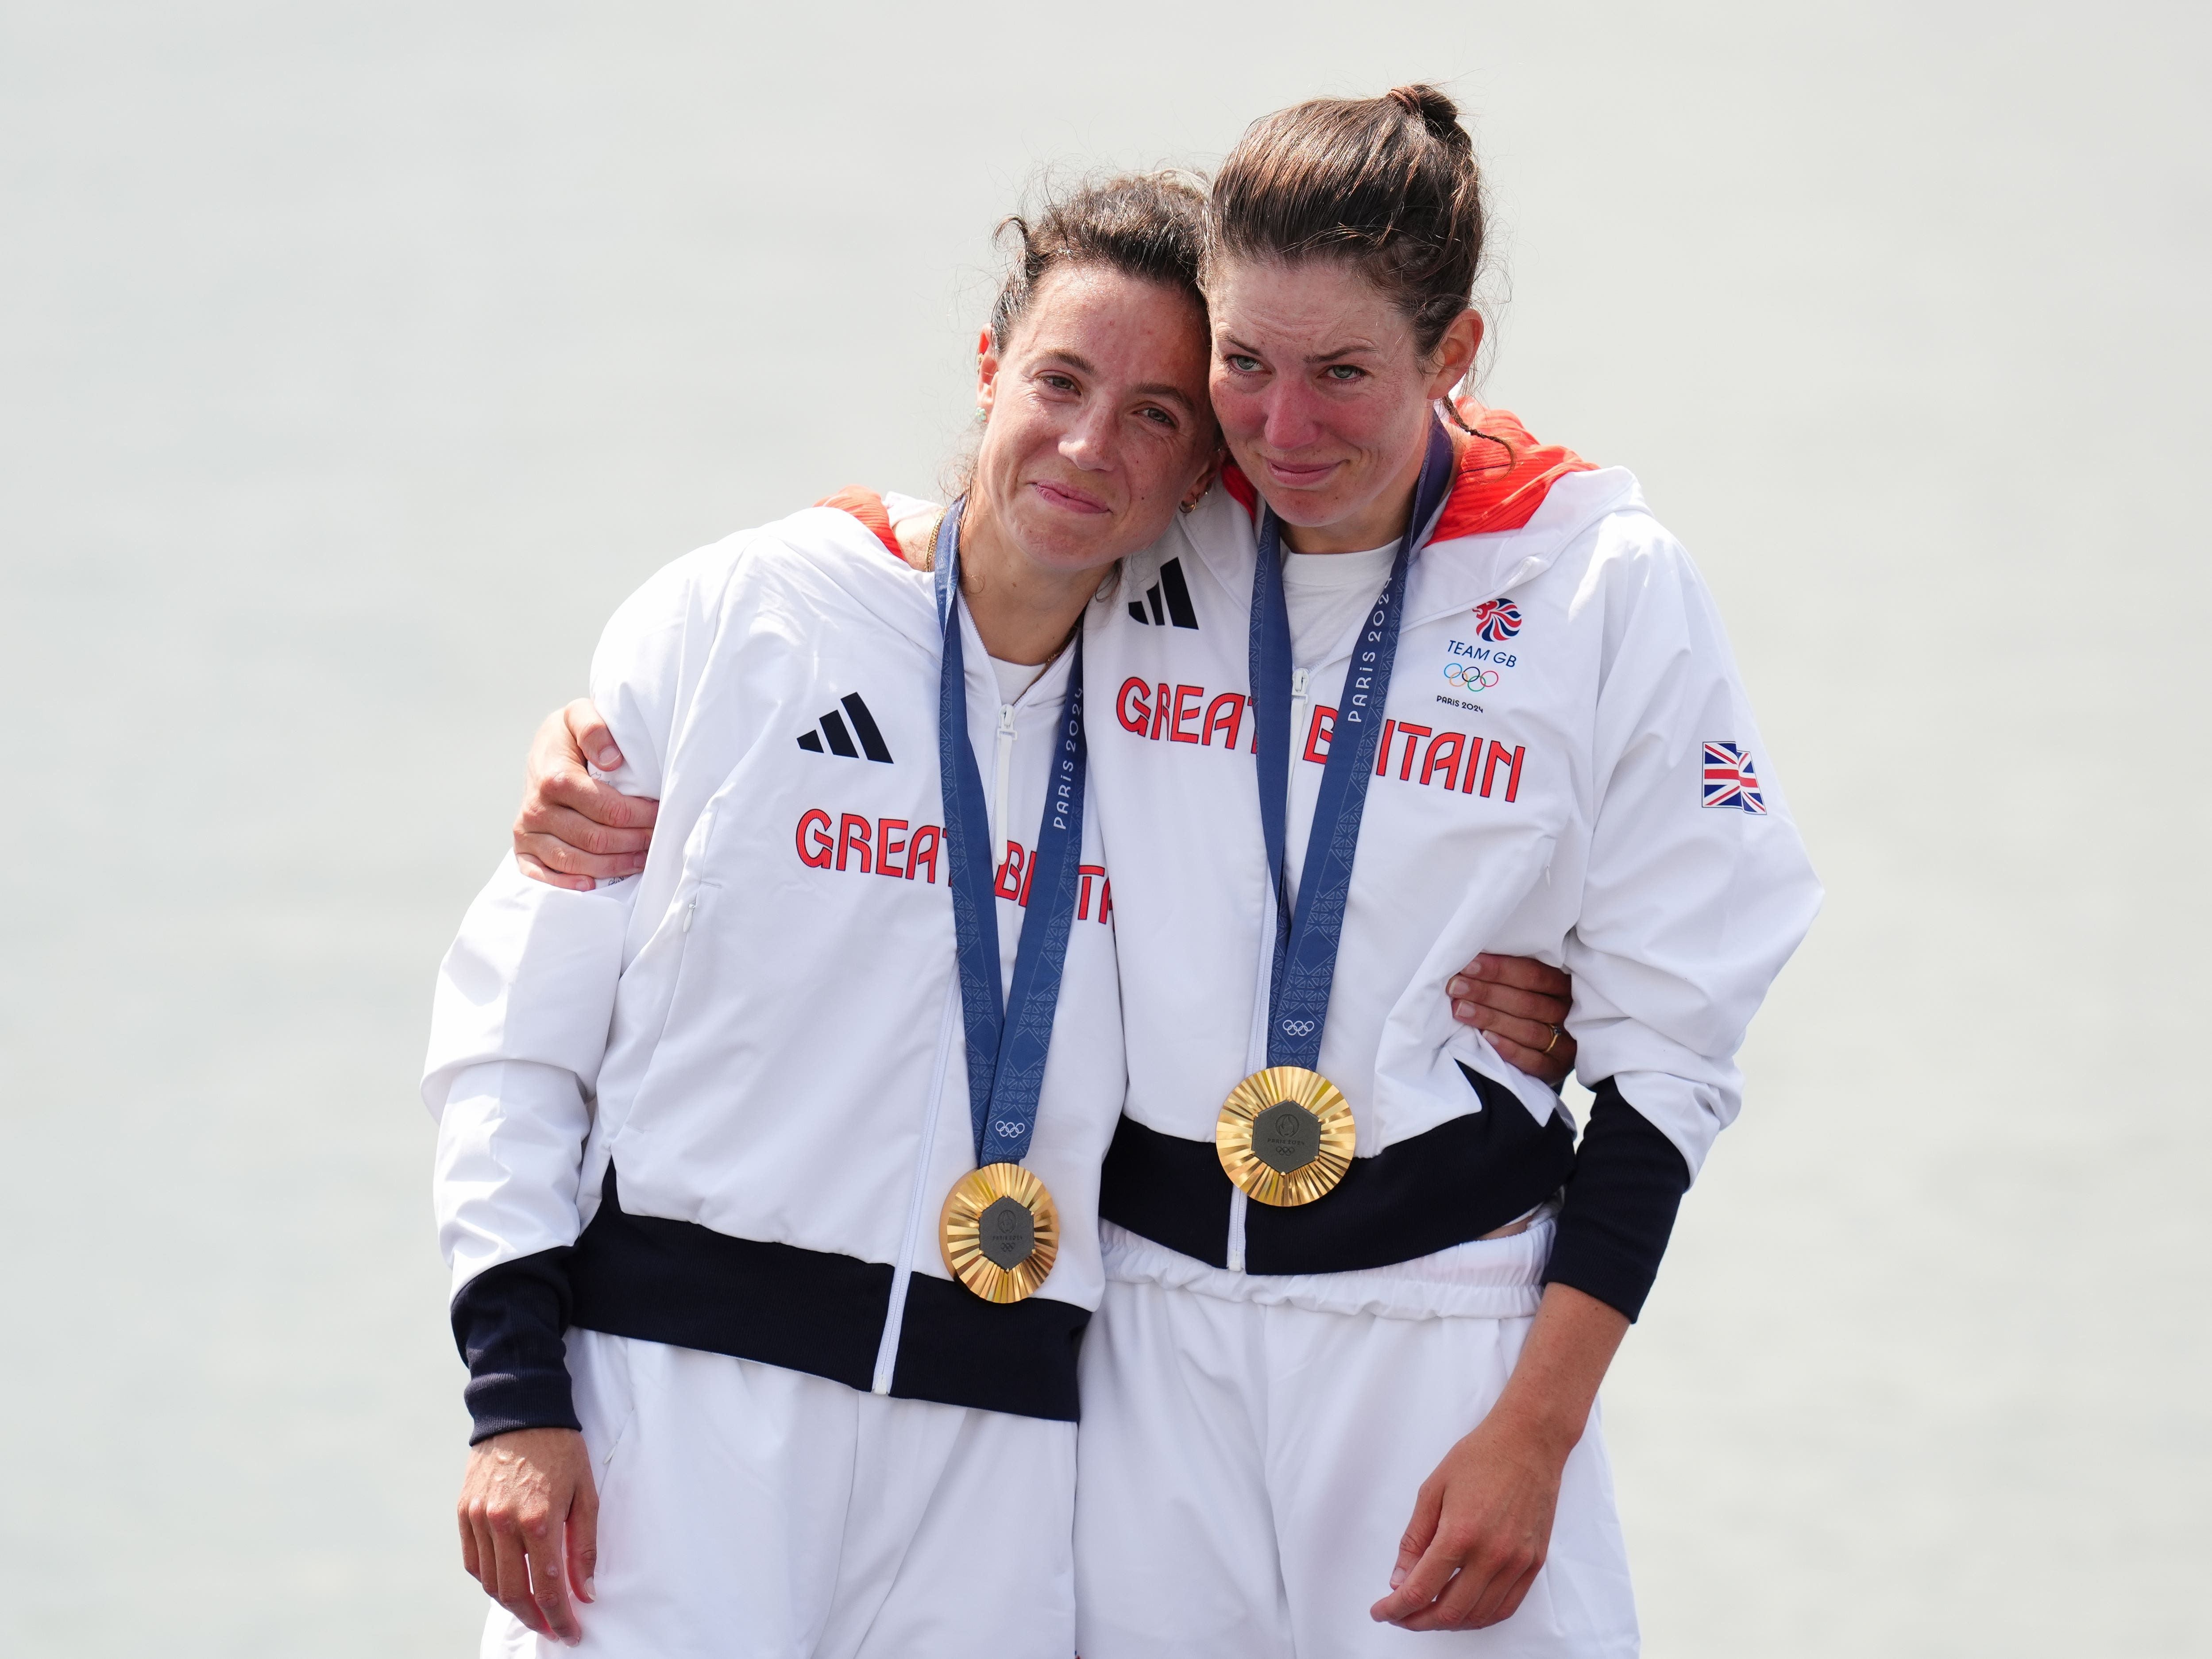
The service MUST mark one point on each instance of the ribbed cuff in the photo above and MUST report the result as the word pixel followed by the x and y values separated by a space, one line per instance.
pixel 1619 1207
pixel 510 1322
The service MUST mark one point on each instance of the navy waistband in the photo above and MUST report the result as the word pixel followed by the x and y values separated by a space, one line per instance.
pixel 817 1312
pixel 1466 1178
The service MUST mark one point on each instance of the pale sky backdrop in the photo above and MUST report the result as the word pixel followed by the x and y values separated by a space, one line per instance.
pixel 356 359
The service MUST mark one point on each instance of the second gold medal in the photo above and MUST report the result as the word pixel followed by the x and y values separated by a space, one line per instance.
pixel 1285 1135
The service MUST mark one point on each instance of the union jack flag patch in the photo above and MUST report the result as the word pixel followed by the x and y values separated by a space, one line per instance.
pixel 1729 780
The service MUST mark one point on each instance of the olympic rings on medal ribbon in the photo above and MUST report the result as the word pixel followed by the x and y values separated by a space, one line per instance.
pixel 1009 1130
pixel 1298 1027
pixel 1471 676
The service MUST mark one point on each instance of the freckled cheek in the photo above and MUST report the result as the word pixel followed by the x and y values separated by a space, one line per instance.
pixel 1368 438
pixel 1161 468
pixel 1034 441
pixel 1242 415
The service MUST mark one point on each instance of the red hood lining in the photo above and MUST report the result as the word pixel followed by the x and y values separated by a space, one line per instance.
pixel 867 506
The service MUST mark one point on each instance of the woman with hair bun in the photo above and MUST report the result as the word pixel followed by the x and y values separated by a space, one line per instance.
pixel 1363 1282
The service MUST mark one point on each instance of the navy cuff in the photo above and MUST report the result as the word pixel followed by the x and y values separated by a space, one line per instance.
pixel 510 1322
pixel 1619 1207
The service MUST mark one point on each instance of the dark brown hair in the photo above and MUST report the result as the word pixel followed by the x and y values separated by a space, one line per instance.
pixel 1148 224
pixel 1388 184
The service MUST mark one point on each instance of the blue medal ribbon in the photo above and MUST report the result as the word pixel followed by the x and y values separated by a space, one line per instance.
pixel 1007 1038
pixel 1306 942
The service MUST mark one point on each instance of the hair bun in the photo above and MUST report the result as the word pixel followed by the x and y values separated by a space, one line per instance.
pixel 1389 184
pixel 1434 110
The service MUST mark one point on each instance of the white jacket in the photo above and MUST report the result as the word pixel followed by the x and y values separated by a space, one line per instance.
pixel 756 1043
pixel 1542 793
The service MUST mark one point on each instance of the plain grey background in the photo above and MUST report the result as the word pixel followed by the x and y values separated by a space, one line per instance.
pixel 355 360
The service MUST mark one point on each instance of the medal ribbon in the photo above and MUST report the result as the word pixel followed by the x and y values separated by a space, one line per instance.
pixel 1306 942
pixel 1009 1037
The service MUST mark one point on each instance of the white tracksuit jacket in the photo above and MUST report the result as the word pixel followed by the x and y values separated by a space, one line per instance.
pixel 1568 774
pixel 732 1088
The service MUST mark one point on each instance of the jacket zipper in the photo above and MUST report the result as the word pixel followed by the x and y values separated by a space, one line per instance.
pixel 918 1205
pixel 1256 1058
pixel 1257 1053
pixel 1301 704
pixel 1006 773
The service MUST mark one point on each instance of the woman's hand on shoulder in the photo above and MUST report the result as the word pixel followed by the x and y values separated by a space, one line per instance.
pixel 1521 1005
pixel 574 830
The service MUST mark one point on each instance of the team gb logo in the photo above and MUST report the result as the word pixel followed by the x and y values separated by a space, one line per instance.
pixel 1497 619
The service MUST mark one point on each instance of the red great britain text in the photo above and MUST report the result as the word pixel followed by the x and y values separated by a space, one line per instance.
pixel 1451 760
pixel 860 845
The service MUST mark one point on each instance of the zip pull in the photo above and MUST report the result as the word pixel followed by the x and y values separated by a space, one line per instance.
pixel 690 910
pixel 1005 720
pixel 1298 683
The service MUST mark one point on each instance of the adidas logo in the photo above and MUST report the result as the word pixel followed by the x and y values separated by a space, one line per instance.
pixel 832 726
pixel 1171 587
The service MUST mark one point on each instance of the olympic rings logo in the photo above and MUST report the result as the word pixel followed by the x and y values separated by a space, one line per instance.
pixel 1471 676
pixel 1011 1131
pixel 1298 1027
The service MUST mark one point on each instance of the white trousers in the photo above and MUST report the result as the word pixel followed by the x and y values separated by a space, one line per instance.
pixel 751 1512
pixel 1247 1470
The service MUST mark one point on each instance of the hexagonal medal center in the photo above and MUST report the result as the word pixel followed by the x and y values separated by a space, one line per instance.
pixel 1006 1232
pixel 1286 1137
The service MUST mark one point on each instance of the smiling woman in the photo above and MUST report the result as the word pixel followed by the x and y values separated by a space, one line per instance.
pixel 1090 377
pixel 829 1317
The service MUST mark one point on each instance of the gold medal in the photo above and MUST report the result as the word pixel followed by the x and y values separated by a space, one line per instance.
pixel 998 1232
pixel 1285 1135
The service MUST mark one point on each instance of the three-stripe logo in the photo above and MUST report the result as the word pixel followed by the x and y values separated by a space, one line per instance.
pixel 1172 588
pixel 832 726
